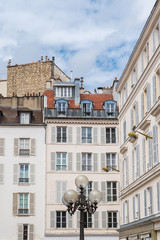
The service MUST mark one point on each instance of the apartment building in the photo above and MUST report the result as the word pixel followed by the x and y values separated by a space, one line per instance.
pixel 81 138
pixel 139 93
pixel 22 168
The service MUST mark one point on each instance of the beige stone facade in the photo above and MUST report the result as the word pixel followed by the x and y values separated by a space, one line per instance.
pixel 33 78
pixel 3 88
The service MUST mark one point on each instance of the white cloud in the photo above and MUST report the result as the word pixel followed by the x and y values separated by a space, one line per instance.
pixel 92 38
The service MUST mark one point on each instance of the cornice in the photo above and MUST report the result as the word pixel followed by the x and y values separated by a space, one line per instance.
pixel 81 121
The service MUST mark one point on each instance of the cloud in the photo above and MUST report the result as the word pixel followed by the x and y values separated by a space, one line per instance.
pixel 93 38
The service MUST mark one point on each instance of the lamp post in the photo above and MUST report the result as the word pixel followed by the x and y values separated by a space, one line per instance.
pixel 75 201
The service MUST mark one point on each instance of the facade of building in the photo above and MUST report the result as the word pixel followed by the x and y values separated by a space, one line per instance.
pixel 3 88
pixel 139 91
pixel 22 168
pixel 81 138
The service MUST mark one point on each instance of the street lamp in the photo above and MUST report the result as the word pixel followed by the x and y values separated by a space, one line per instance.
pixel 75 201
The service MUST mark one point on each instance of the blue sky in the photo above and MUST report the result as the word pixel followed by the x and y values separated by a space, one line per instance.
pixel 92 38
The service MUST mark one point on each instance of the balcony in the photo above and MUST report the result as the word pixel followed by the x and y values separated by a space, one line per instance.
pixel 79 113
pixel 22 211
pixel 24 152
pixel 23 180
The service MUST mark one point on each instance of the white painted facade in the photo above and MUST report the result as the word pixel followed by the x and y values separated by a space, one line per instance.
pixel 74 148
pixel 139 91
pixel 12 218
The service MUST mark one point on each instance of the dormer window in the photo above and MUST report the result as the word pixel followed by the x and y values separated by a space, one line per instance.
pixel 24 118
pixel 63 91
pixel 110 108
pixel 61 106
pixel 86 106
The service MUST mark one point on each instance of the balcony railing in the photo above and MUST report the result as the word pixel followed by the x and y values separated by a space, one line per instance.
pixel 23 180
pixel 23 211
pixel 24 151
pixel 79 113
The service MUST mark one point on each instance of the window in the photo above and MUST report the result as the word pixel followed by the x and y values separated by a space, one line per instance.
pixel 61 162
pixel 24 148
pixel 63 91
pixel 87 220
pixel 86 162
pixel 111 191
pixel 61 134
pixel 144 57
pixel 24 118
pixel 61 108
pixel 23 204
pixel 134 76
pixel 86 109
pixel 61 219
pixel 112 220
pixel 110 109
pixel 110 135
pixel 24 176
pixel 86 135
pixel 111 161
pixel 150 208
pixel 25 231
pixel 88 189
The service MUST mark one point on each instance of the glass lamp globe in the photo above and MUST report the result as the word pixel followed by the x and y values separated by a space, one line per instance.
pixel 95 196
pixel 70 196
pixel 81 181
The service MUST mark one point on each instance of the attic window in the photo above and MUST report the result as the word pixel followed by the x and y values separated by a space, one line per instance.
pixel 110 108
pixel 25 117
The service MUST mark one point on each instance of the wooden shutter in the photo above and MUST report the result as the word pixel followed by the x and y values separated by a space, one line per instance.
pixel 118 191
pixel 151 200
pixel 137 161
pixel 78 135
pixel 95 162
pixel 53 161
pixel 154 43
pixel 118 219
pixel 133 199
pixel 16 148
pixel 78 219
pixel 103 190
pixel 103 161
pixel 148 98
pixel 138 203
pixel 158 196
pixel 15 203
pixel 95 135
pixel 69 134
pixel 127 173
pixel 142 105
pixel 144 155
pixel 64 188
pixel 145 203
pixel 127 211
pixel 53 134
pixel 136 73
pixel 136 113
pixel 118 161
pixel 15 173
pixel 52 219
pixel 117 135
pixel 154 88
pixel 131 116
pixel 104 220
pixel 150 150
pixel 58 191
pixel 133 167
pixel 70 225
pixel 124 214
pixel 32 174
pixel 96 220
pixel 142 62
pixel 1 173
pixel 32 203
pixel 70 161
pixel 103 135
pixel 1 146
pixel 155 145
pixel 33 146
pixel 78 162
pixel 95 185
pixel 20 231
pixel 31 231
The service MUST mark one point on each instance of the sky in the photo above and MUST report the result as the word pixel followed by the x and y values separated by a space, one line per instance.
pixel 91 38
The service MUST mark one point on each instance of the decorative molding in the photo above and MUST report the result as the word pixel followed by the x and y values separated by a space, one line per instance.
pixel 145 124
pixel 84 121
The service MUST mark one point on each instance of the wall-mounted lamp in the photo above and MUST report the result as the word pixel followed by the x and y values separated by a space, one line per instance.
pixel 132 135
pixel 106 169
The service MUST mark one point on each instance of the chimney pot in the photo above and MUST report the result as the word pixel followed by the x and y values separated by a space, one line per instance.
pixel 46 58
pixel 41 58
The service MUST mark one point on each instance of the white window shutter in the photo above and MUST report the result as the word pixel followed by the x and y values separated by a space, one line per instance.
pixel 1 173
pixel 104 219
pixel 131 116
pixel 127 173
pixel 33 146
pixel 124 216
pixel 1 146
pixel 136 111
pixel 150 150
pixel 69 134
pixel 58 191
pixel 134 215
pixel 137 161
pixel 103 161
pixel 159 30
pixel 142 62
pixel 144 155
pixel 95 135
pixel 32 174
pixel 127 211
pixel 15 173
pixel 64 188
pixel 118 191
pixel 32 203
pixel 78 219
pixel 154 89
pixel 148 98
pixel 15 204
pixel 118 219
pixel 133 166
pixel 52 219
pixel 78 162
pixel 118 162
pixel 70 161
pixel 53 161
pixel 151 200
pixel 138 203
pixel 31 231
pixel 16 148
pixel 132 80
pixel 145 203
pixel 103 135
pixel 78 135
pixel 136 73
pixel 154 43
pixel 103 190
pixel 20 231
pixel 158 196
pixel 95 186
pixel 142 105
pixel 96 220
pixel 155 145
pixel 70 224
pixel 53 134
pixel 95 162
pixel 117 135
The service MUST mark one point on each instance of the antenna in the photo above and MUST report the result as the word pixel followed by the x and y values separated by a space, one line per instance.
pixel 71 75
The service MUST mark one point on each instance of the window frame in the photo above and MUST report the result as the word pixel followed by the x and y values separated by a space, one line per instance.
pixel 63 167
pixel 112 217
pixel 23 173
pixel 23 204
pixel 112 191
pixel 86 134
pixel 109 161
pixel 24 147
pixel 85 162
pixel 111 138
pixel 25 117
pixel 63 219
pixel 62 131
